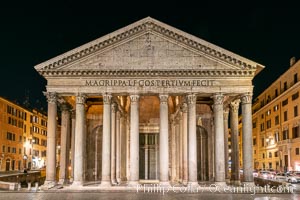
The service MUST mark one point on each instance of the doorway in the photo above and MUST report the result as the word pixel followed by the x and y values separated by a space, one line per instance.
pixel 148 156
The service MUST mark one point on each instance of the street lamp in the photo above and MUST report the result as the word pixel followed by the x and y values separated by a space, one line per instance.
pixel 25 159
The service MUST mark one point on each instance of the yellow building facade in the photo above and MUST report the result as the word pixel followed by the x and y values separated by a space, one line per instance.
pixel 23 139
pixel 276 121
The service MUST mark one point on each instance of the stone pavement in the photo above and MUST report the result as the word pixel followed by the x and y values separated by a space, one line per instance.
pixel 91 195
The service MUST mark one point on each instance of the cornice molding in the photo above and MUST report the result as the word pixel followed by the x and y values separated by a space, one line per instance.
pixel 143 26
pixel 148 73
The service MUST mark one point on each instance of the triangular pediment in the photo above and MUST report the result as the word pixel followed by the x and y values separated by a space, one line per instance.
pixel 145 45
pixel 149 52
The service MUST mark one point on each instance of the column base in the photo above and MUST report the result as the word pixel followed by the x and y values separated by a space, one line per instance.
pixel 105 184
pixel 133 184
pixel 164 184
pixel 77 184
pixel 63 181
pixel 221 183
pixel 235 182
pixel 185 182
pixel 248 184
pixel 192 184
pixel 48 185
pixel 227 180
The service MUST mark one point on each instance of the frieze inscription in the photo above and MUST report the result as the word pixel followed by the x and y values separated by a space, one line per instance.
pixel 150 83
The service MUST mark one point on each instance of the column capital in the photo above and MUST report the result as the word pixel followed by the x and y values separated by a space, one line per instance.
pixel 65 107
pixel 191 98
pixel 80 98
pixel 226 113
pixel 134 98
pixel 218 99
pixel 184 107
pixel 107 98
pixel 234 105
pixel 114 107
pixel 51 97
pixel 246 98
pixel 163 98
pixel 73 113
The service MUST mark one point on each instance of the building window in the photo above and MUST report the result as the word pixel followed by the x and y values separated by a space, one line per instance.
pixel 295 111
pixel 8 149
pixel 295 96
pixel 285 116
pixel 276 93
pixel 277 120
pixel 297 151
pixel 268 112
pixel 263 155
pixel 284 86
pixel 295 78
pixel 285 102
pixel 262 127
pixel 270 154
pixel 270 165
pixel 285 134
pixel 254 141
pixel 3 149
pixel 295 132
pixel 275 108
pixel 20 151
pixel 262 142
pixel 276 154
pixel 254 124
pixel 269 123
pixel 262 116
pixel 276 137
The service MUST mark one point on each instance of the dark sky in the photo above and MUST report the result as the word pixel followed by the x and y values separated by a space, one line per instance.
pixel 35 31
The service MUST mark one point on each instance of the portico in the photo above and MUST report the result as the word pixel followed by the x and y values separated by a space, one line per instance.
pixel 149 102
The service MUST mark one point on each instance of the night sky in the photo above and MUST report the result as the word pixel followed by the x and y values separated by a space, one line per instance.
pixel 35 31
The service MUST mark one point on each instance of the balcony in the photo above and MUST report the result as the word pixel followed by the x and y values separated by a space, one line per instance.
pixel 284 142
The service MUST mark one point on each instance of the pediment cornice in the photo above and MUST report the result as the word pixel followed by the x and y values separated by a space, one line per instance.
pixel 149 74
pixel 138 28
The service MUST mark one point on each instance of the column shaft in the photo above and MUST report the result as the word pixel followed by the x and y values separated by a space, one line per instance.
pixel 173 148
pixel 219 139
pixel 226 144
pixel 192 139
pixel 106 141
pixel 247 138
pixel 118 148
pixel 185 144
pixel 134 140
pixel 51 139
pixel 72 145
pixel 79 140
pixel 235 158
pixel 164 140
pixel 64 145
pixel 113 143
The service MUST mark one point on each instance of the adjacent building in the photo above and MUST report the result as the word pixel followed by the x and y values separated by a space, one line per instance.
pixel 23 135
pixel 275 121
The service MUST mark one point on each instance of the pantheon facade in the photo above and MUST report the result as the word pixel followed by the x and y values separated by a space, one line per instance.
pixel 148 103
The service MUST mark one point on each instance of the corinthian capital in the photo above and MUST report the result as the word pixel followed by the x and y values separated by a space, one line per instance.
pixel 163 98
pixel 134 98
pixel 246 98
pixel 113 107
pixel 51 97
pixel 107 98
pixel 184 107
pixel 218 99
pixel 80 98
pixel 191 99
pixel 234 105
